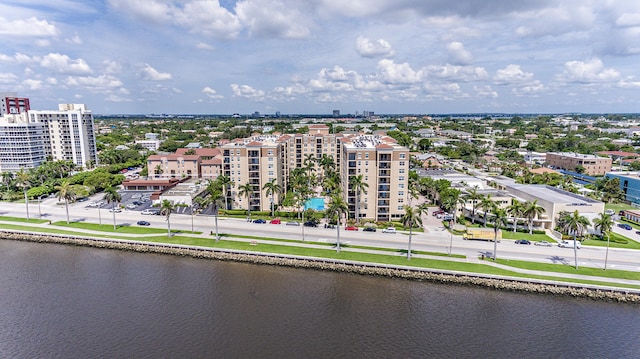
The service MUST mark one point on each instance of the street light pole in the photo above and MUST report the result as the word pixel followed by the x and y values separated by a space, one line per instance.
pixel 450 237
pixel 39 212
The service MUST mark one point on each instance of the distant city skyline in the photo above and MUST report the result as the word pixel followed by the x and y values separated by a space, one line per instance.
pixel 316 56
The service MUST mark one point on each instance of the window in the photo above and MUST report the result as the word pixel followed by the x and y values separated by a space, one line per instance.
pixel 400 193
pixel 270 173
pixel 401 185
pixel 366 155
pixel 401 178
pixel 400 208
pixel 401 163
pixel 403 155
pixel 401 170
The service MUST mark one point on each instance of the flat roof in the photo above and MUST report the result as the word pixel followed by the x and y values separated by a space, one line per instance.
pixel 552 194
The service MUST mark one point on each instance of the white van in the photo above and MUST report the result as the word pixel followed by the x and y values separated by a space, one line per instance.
pixel 569 244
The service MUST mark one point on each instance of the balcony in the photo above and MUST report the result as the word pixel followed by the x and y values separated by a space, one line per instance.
pixel 384 188
pixel 384 173
pixel 385 165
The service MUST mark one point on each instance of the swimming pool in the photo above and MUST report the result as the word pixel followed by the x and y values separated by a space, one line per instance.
pixel 317 204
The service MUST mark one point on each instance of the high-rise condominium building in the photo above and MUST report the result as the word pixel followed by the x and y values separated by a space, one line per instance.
pixel 22 142
pixel 10 103
pixel 70 134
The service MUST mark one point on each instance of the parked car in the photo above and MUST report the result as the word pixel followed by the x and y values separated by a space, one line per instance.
pixel 621 213
pixel 137 203
pixel 350 228
pixel 82 199
pixel 437 212
pixel 625 226
pixel 389 230
pixel 310 224
pixel 543 244
pixel 116 210
pixel 522 241
pixel 275 221
pixel 637 232
pixel 569 244
pixel 259 220
pixel 143 223
pixel 131 206
pixel 293 223
pixel 610 212
pixel 151 211
pixel 369 229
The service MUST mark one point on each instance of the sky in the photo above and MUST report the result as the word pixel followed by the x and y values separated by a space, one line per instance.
pixel 316 56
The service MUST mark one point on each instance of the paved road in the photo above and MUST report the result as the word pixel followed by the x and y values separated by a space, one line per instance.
pixel 434 239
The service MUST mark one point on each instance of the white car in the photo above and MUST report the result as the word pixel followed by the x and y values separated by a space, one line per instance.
pixel 116 210
pixel 150 211
pixel 543 244
pixel 389 230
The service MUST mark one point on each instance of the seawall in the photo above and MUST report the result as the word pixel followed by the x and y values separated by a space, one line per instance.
pixel 593 292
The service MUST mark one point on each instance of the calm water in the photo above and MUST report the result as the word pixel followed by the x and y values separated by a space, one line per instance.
pixel 67 302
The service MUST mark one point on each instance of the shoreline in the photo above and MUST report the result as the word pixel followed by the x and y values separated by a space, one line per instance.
pixel 609 294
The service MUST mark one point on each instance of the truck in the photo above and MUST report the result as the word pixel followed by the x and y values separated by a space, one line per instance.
pixel 485 234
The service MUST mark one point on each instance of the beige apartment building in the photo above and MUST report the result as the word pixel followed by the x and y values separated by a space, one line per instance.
pixel 593 165
pixel 204 163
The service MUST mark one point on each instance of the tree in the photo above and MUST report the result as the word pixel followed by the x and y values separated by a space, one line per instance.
pixel 358 185
pixel 487 205
pixel 112 196
pixel 157 170
pixel 424 145
pixel 604 223
pixel 23 180
pixel 66 193
pixel 246 190
pixel 271 188
pixel 575 224
pixel 411 217
pixel 166 207
pixel 531 211
pixel 474 197
pixel 226 183
pixel 337 207
pixel 515 210
pixel 499 219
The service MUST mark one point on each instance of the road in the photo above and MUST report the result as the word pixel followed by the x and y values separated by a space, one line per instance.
pixel 434 239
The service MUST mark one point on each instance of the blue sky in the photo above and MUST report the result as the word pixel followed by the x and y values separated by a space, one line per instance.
pixel 314 56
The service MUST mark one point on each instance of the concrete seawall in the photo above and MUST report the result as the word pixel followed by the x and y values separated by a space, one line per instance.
pixel 593 292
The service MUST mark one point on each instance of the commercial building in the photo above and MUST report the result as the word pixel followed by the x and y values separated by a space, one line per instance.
pixel 592 165
pixel 629 184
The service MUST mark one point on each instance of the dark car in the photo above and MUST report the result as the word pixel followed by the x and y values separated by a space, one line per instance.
pixel 143 223
pixel 310 224
pixel 625 226
pixel 137 203
pixel 369 229
pixel 259 221
pixel 522 241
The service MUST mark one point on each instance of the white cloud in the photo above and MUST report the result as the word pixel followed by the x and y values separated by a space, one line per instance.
pixel 211 93
pixel 75 40
pixel 31 27
pixel 42 42
pixel 458 73
pixel 458 55
pixel 111 67
pixel 64 65
pixel 369 48
pixel 8 78
pixel 33 84
pixel 247 92
pixel 104 83
pixel 204 46
pixel 536 88
pixel 485 91
pixel 390 72
pixel 512 74
pixel 150 74
pixel 272 18
pixel 587 72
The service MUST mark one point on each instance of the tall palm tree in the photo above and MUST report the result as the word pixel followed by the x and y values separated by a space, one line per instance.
pixel 575 224
pixel 112 196
pixel 66 193
pixel 271 188
pixel 327 164
pixel 337 207
pixel 23 180
pixel 226 183
pixel 157 170
pixel 411 217
pixel 486 204
pixel 246 190
pixel 474 197
pixel 531 211
pixel 515 209
pixel 215 200
pixel 166 207
pixel 499 219
pixel 604 223
pixel 358 185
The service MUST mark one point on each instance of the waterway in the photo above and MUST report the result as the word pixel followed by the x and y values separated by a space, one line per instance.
pixel 73 302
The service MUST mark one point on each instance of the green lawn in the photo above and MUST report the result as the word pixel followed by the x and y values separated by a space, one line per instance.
pixel 617 241
pixel 618 206
pixel 23 220
pixel 568 268
pixel 119 229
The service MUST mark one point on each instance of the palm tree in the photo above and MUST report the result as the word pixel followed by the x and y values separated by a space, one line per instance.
pixel 337 208
pixel 515 210
pixel 246 190
pixel 23 181
pixel 604 223
pixel 575 224
pixel 411 217
pixel 271 188
pixel 166 207
pixel 66 193
pixel 474 197
pixel 327 164
pixel 486 204
pixel 157 170
pixel 226 183
pixel 499 219
pixel 112 196
pixel 358 185
pixel 214 199
pixel 531 211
